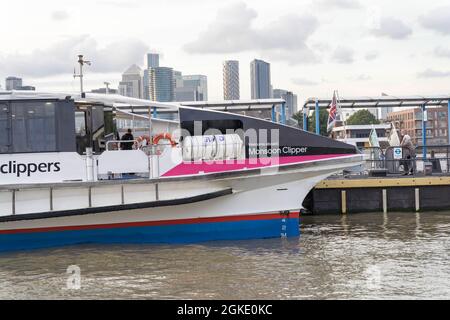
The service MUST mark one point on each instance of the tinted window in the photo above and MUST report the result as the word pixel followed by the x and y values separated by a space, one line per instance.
pixel 4 129
pixel 33 126
pixel 80 123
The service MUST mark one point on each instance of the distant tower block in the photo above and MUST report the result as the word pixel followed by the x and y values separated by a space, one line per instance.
pixel 261 87
pixel 231 80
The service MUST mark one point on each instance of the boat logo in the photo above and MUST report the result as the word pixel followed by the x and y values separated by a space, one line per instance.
pixel 27 169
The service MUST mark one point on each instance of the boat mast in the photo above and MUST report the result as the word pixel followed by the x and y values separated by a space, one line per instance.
pixel 82 62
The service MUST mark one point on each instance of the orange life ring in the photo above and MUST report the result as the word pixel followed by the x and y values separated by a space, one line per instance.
pixel 164 136
pixel 140 139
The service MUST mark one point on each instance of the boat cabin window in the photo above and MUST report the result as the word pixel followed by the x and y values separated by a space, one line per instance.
pixel 37 126
pixel 5 141
pixel 33 126
pixel 80 123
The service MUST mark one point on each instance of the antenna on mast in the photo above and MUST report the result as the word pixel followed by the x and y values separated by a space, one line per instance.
pixel 82 62
pixel 106 87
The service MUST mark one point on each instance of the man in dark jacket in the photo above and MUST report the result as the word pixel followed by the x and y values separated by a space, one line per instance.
pixel 127 137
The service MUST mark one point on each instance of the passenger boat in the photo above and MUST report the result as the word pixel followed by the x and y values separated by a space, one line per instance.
pixel 192 174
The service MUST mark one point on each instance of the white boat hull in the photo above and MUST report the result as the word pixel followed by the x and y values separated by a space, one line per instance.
pixel 246 206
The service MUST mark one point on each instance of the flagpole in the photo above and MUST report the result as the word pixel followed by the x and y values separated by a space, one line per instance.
pixel 338 102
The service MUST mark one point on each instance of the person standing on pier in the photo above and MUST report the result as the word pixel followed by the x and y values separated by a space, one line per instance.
pixel 407 146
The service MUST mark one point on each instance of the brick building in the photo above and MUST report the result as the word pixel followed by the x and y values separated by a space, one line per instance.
pixel 411 121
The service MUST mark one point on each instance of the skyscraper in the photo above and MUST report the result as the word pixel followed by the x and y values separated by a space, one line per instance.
pixel 145 84
pixel 290 98
pixel 178 77
pixel 152 60
pixel 231 80
pixel 199 83
pixel 131 84
pixel 193 88
pixel 162 84
pixel 260 79
pixel 13 83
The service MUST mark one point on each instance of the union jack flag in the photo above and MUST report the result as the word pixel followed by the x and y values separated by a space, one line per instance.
pixel 333 113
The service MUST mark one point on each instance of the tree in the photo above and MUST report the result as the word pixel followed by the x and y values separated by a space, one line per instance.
pixel 323 118
pixel 298 116
pixel 362 116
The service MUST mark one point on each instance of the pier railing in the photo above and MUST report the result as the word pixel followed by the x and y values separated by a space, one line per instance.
pixel 397 161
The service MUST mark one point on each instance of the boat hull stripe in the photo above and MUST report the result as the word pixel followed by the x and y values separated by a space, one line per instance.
pixel 162 234
pixel 253 217
pixel 191 168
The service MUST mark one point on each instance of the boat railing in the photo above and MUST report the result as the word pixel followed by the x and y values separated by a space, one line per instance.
pixel 113 145
pixel 400 160
pixel 147 160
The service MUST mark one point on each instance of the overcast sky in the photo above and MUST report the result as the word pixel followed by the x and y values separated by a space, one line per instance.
pixel 359 47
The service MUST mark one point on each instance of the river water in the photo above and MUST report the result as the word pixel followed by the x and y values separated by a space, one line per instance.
pixel 367 256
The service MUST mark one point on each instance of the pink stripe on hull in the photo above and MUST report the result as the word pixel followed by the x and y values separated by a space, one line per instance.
pixel 191 168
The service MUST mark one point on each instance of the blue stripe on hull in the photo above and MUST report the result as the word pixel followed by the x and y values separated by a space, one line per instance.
pixel 181 233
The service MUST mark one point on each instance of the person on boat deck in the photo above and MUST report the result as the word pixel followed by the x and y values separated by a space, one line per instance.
pixel 127 137
pixel 408 153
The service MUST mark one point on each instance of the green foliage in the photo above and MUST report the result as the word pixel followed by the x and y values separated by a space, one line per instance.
pixel 298 116
pixel 362 116
pixel 323 117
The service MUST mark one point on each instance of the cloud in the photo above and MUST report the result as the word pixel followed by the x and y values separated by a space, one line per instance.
pixel 343 55
pixel 442 52
pixel 371 55
pixel 392 28
pixel 122 4
pixel 437 20
pixel 232 32
pixel 430 73
pixel 59 15
pixel 304 82
pixel 340 4
pixel 61 57
pixel 363 77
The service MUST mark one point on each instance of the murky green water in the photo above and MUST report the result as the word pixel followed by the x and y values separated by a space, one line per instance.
pixel 402 255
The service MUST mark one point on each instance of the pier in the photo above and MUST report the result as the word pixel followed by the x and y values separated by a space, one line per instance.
pixel 388 194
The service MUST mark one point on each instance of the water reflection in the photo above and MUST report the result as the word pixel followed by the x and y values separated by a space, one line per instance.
pixel 373 255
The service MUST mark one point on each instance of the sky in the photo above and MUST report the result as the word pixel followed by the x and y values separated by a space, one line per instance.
pixel 359 47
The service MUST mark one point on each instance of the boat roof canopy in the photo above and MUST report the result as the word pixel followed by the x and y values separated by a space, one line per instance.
pixel 382 101
pixel 112 100
pixel 235 105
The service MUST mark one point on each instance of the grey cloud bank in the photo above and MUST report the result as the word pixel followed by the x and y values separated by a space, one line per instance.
pixel 340 4
pixel 371 55
pixel 282 39
pixel 392 28
pixel 442 52
pixel 60 15
pixel 343 55
pixel 437 20
pixel 431 73
pixel 60 57
pixel 304 82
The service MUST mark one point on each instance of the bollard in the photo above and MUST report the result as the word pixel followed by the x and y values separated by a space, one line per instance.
pixel 384 201
pixel 417 198
pixel 344 202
